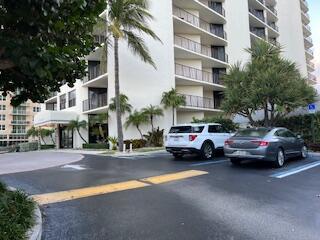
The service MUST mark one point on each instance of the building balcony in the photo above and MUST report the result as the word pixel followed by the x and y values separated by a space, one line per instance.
pixel 52 97
pixel 188 49
pixel 186 75
pixel 20 122
pixel 18 112
pixel 311 66
pixel 309 54
pixel 207 10
pixel 304 5
pixel 96 105
pixel 199 104
pixel 257 14
pixel 261 34
pixel 96 77
pixel 18 132
pixel 183 16
pixel 306 30
pixel 312 79
pixel 308 43
pixel 305 18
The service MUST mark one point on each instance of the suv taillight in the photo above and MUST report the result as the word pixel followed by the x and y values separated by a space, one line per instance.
pixel 192 137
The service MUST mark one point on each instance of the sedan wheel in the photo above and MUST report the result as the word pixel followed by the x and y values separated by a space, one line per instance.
pixel 304 152
pixel 280 159
pixel 207 151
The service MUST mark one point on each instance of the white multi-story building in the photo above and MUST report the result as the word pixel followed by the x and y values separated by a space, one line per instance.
pixel 199 40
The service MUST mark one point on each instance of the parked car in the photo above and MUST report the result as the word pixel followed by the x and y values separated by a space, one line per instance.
pixel 202 139
pixel 265 144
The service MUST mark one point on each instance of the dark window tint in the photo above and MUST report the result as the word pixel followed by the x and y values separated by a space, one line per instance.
pixel 252 132
pixel 215 129
pixel 186 129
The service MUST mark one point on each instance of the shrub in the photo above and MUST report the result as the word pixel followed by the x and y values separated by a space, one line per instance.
pixel 228 124
pixel 95 146
pixel 16 214
pixel 48 146
pixel 136 143
pixel 301 124
pixel 155 138
pixel 29 146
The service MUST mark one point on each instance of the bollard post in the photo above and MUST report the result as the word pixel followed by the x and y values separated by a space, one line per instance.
pixel 124 148
pixel 130 147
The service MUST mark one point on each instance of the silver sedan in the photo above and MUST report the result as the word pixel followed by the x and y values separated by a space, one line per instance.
pixel 265 144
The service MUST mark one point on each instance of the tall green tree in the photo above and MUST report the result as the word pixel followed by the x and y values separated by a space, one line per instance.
pixel 125 106
pixel 43 45
pixel 172 99
pixel 269 83
pixel 152 111
pixel 78 125
pixel 137 118
pixel 127 20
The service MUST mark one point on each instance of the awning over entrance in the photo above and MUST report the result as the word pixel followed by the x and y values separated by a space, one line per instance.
pixel 45 118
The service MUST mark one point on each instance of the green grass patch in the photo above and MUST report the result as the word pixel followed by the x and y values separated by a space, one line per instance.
pixel 16 214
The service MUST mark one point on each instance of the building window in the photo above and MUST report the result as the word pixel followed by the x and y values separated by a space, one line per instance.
pixel 19 129
pixel 22 110
pixel 2 117
pixel 36 109
pixel 2 107
pixel 72 98
pixel 51 106
pixel 2 98
pixel 2 127
pixel 2 137
pixel 63 101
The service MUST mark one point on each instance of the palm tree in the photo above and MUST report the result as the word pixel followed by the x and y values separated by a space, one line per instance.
pixel 125 106
pixel 136 119
pixel 152 112
pixel 174 100
pixel 34 132
pixel 126 20
pixel 76 124
pixel 50 133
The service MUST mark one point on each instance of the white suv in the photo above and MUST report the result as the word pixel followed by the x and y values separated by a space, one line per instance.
pixel 202 139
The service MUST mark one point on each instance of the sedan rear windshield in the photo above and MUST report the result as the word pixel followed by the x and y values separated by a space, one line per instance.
pixel 259 132
pixel 186 129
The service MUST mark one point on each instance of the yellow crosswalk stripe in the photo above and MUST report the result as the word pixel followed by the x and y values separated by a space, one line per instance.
pixel 62 196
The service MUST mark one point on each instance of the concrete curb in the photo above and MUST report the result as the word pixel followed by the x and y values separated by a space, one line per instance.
pixel 137 153
pixel 36 231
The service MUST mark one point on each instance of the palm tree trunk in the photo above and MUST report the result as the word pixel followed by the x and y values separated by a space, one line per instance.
pixel 117 93
pixel 101 133
pixel 139 131
pixel 151 121
pixel 173 116
pixel 52 139
pixel 43 140
pixel 81 136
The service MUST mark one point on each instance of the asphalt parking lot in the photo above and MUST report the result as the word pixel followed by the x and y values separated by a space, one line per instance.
pixel 156 197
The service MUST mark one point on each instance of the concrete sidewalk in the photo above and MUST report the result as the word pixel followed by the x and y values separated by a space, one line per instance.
pixel 29 161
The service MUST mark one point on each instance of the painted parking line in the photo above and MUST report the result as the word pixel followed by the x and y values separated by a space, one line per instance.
pixel 295 170
pixel 207 163
pixel 68 195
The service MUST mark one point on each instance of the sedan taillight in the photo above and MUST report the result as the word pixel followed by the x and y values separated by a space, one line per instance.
pixel 261 143
pixel 228 142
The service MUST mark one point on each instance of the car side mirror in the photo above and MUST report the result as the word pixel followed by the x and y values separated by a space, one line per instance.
pixel 299 136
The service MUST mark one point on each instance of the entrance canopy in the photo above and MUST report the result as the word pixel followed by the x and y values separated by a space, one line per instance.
pixel 47 118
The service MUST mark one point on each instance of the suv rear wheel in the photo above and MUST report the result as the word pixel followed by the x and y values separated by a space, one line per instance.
pixel 207 151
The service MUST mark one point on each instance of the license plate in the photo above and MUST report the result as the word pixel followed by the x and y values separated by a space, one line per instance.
pixel 241 153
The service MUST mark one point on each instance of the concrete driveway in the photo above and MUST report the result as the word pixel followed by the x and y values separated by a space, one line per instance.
pixel 29 161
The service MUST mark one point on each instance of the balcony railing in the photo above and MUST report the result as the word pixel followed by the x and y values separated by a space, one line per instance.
pixel 305 3
pixel 19 112
pixel 274 26
pixel 307 27
pixel 99 39
pixel 272 9
pixel 197 74
pixel 309 51
pixel 198 22
pixel 311 64
pixel 258 32
pixel 197 48
pixel 198 102
pixel 257 14
pixel 309 39
pixel 20 122
pixel 100 101
pixel 217 8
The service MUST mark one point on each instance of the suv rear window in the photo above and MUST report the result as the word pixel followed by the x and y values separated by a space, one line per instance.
pixel 252 132
pixel 186 129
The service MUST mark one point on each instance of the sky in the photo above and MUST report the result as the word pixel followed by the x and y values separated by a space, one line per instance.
pixel 314 11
